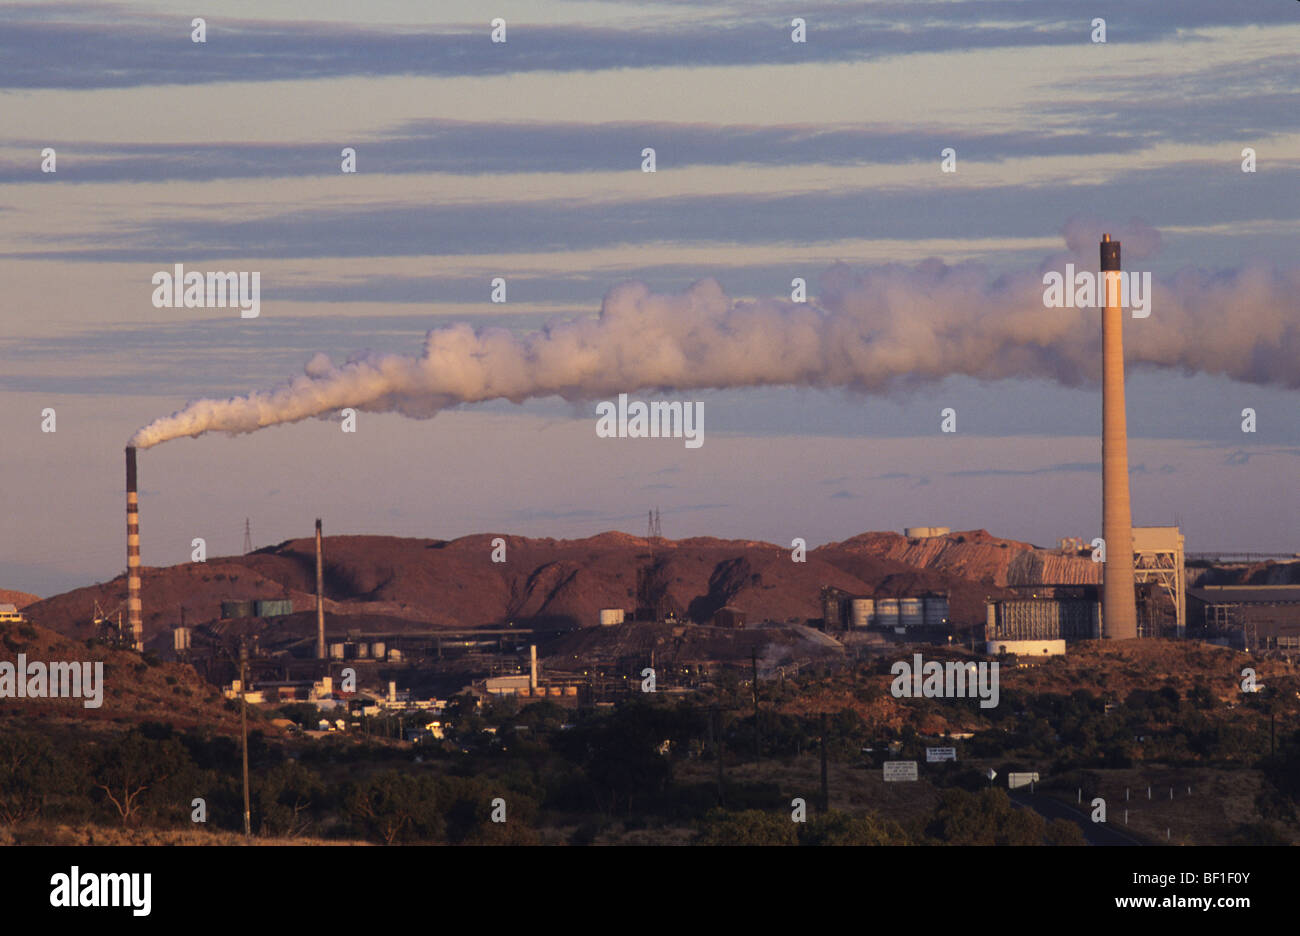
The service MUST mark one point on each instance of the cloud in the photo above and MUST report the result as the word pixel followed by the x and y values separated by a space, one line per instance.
pixel 418 229
pixel 75 45
pixel 479 147
pixel 1063 468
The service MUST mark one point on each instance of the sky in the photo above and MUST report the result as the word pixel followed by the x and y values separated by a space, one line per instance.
pixel 523 160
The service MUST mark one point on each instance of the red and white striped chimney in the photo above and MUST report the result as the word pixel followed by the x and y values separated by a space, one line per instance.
pixel 134 612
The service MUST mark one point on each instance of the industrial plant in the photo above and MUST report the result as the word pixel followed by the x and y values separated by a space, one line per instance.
pixel 1132 583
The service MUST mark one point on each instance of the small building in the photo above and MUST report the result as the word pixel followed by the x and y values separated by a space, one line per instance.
pixel 1025 648
pixel 925 532
pixel 9 614
pixel 729 616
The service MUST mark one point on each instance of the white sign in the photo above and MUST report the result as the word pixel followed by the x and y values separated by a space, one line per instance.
pixel 1017 780
pixel 900 770
pixel 935 754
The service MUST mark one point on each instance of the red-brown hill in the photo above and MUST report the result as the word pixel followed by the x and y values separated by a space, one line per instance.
pixel 18 599
pixel 565 583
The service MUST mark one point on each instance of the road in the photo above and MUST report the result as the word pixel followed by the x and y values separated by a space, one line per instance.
pixel 1097 833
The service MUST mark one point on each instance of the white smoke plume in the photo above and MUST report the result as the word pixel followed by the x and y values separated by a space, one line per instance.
pixel 870 331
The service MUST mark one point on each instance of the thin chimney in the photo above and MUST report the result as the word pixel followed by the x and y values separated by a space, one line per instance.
pixel 320 597
pixel 134 612
pixel 1118 606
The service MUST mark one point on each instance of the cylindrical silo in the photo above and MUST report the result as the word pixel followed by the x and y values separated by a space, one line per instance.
pixel 887 612
pixel 911 612
pixel 832 609
pixel 860 612
pixel 611 616
pixel 936 610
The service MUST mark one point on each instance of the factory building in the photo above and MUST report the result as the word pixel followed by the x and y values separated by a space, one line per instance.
pixel 9 614
pixel 1248 617
pixel 1047 613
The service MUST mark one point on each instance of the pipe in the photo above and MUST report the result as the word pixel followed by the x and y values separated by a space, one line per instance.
pixel 1118 606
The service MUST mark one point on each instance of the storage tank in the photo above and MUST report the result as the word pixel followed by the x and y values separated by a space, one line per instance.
pixel 379 650
pixel 554 690
pixel 911 612
pixel 181 638
pixel 363 651
pixel 236 609
pixel 611 616
pixel 394 655
pixel 570 690
pixel 272 608
pixel 861 611
pixel 336 651
pixel 936 610
pixel 887 612
pixel 832 609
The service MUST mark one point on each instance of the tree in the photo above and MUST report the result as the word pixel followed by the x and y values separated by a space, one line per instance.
pixel 624 753
pixel 283 799
pixel 841 828
pixel 984 818
pixel 748 827
pixel 1064 832
pixel 134 765
pixel 395 806
pixel 30 771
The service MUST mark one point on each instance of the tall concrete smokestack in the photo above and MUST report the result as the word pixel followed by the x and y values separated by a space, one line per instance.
pixel 532 667
pixel 1118 605
pixel 134 612
pixel 320 598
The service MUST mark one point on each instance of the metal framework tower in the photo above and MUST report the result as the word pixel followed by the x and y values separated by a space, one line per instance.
pixel 248 537
pixel 1158 558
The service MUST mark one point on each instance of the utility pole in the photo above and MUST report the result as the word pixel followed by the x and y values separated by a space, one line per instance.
pixel 243 731
pixel 758 745
pixel 248 536
pixel 826 790
pixel 718 751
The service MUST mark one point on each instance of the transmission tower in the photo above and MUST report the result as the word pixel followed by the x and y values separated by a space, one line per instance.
pixel 248 537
